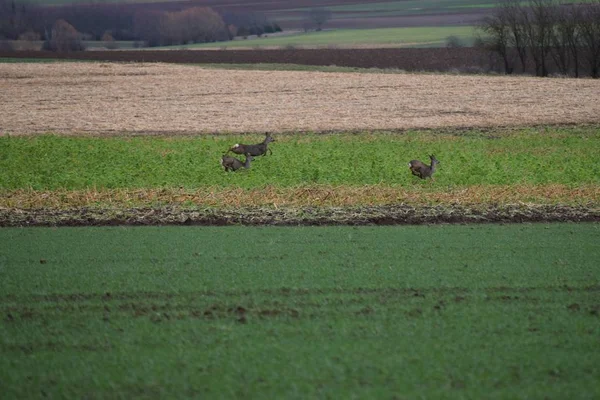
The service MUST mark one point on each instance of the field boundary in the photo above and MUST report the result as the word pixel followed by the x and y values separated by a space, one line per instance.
pixel 409 59
pixel 400 214
pixel 441 59
pixel 301 196
pixel 484 131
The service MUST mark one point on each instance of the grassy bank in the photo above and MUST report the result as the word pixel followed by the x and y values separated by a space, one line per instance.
pixel 448 311
pixel 565 156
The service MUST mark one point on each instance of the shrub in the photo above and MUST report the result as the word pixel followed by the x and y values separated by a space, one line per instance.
pixel 453 42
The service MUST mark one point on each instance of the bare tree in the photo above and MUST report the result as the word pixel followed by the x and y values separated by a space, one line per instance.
pixel 539 25
pixel 202 24
pixel 564 38
pixel 546 31
pixel 192 25
pixel 63 37
pixel 319 16
pixel 13 19
pixel 514 14
pixel 147 26
pixel 497 30
pixel 571 34
pixel 589 25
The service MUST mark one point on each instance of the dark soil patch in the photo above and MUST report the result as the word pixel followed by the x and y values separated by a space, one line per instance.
pixel 432 59
pixel 463 59
pixel 132 300
pixel 369 215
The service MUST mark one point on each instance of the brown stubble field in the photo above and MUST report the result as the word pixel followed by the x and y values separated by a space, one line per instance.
pixel 105 99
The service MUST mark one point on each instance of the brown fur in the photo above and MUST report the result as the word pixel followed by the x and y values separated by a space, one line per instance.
pixel 259 149
pixel 233 164
pixel 418 168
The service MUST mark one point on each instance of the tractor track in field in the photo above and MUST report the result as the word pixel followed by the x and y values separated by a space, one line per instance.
pixel 401 214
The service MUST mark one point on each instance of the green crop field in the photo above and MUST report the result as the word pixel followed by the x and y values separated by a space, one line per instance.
pixel 501 311
pixel 528 156
pixel 483 311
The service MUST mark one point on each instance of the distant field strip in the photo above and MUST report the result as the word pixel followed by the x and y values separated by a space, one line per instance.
pixel 105 99
pixel 397 37
pixel 337 312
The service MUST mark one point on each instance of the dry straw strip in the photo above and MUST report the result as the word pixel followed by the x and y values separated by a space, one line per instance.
pixel 104 99
pixel 319 195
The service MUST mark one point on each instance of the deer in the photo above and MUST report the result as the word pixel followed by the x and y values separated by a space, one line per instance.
pixel 233 164
pixel 422 170
pixel 259 149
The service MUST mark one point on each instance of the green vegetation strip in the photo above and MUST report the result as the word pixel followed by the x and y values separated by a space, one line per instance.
pixel 566 156
pixel 399 37
pixel 447 311
pixel 10 60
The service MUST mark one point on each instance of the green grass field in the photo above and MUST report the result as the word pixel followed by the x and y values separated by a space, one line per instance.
pixel 528 156
pixel 339 312
pixel 400 37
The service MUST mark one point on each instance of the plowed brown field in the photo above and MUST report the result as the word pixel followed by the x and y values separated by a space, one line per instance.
pixel 93 98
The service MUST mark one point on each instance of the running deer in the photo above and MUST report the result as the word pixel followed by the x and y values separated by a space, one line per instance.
pixel 422 170
pixel 233 164
pixel 259 149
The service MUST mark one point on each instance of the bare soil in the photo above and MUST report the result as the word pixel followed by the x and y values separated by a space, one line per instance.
pixel 400 214
pixel 142 98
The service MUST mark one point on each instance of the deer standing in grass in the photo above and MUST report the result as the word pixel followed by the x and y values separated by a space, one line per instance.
pixel 233 164
pixel 422 170
pixel 259 149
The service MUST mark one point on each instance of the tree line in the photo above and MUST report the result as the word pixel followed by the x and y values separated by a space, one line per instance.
pixel 545 34
pixel 64 28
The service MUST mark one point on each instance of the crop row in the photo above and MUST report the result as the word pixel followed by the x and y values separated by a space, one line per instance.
pixel 327 312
